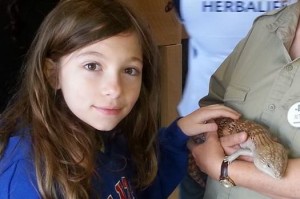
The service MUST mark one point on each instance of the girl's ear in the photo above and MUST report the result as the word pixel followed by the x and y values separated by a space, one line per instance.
pixel 51 73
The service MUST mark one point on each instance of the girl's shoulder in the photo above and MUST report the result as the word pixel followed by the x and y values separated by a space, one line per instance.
pixel 18 146
pixel 17 173
pixel 18 149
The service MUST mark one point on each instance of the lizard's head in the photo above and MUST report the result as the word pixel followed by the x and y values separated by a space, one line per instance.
pixel 272 160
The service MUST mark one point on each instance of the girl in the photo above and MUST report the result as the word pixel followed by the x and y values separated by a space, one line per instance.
pixel 84 122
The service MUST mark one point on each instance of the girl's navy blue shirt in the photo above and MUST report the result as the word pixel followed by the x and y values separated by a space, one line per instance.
pixel 114 168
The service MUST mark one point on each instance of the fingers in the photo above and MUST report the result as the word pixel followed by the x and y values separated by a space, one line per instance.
pixel 216 111
pixel 202 128
pixel 196 122
pixel 213 111
pixel 234 139
pixel 231 143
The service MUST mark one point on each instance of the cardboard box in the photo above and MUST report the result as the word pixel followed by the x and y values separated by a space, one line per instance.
pixel 160 15
pixel 171 82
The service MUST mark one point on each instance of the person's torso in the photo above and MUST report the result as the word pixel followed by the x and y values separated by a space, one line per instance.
pixel 264 87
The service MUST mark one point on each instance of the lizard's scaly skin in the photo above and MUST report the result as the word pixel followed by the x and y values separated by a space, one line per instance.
pixel 268 155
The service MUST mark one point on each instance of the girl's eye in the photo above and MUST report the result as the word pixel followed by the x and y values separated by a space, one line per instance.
pixel 92 66
pixel 132 71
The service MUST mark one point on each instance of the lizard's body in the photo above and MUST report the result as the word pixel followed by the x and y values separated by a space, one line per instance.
pixel 268 155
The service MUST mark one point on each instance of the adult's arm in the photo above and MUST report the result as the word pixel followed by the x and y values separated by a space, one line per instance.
pixel 210 155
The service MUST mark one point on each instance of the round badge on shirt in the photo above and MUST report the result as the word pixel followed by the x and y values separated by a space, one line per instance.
pixel 293 115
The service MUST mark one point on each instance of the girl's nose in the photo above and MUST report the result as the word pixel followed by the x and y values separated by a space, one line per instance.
pixel 112 87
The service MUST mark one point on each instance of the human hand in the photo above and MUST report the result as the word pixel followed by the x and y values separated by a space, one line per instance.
pixel 231 143
pixel 208 155
pixel 196 122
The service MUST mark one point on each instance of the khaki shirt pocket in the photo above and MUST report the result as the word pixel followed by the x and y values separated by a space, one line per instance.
pixel 235 96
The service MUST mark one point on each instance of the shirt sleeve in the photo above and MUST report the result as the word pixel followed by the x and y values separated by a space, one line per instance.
pixel 18 181
pixel 173 160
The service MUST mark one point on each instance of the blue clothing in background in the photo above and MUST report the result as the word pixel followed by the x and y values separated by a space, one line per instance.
pixel 18 178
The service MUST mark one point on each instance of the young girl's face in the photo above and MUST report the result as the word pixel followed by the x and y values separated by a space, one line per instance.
pixel 101 82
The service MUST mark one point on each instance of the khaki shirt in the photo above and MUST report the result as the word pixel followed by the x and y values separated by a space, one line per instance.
pixel 259 79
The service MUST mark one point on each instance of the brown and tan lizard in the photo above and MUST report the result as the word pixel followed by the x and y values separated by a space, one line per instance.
pixel 268 155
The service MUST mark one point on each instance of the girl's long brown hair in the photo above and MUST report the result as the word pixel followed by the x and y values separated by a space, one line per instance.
pixel 64 148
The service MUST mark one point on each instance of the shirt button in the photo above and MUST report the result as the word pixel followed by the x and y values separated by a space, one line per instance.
pixel 272 107
pixel 289 67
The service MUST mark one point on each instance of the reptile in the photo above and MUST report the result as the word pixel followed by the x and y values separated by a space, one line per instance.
pixel 269 156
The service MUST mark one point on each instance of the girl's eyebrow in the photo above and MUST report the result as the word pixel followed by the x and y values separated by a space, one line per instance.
pixel 95 53
pixel 136 59
pixel 77 55
pixel 80 54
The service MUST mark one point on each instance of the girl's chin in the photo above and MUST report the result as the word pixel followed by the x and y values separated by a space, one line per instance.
pixel 104 127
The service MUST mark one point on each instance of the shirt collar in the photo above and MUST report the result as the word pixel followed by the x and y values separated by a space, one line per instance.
pixel 285 23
